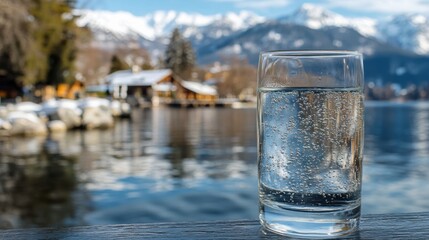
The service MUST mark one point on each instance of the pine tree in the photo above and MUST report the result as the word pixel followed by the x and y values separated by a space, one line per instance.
pixel 52 56
pixel 174 52
pixel 187 59
pixel 116 64
pixel 179 56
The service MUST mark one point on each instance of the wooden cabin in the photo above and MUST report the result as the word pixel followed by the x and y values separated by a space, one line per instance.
pixel 157 86
pixel 129 83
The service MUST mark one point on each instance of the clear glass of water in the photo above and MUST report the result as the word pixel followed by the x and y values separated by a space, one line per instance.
pixel 310 142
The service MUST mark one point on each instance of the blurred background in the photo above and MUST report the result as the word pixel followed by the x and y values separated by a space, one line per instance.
pixel 140 111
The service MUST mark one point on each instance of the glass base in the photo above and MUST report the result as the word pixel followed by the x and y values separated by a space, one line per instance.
pixel 310 222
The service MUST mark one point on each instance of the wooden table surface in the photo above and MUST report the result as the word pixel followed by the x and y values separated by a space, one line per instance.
pixel 380 226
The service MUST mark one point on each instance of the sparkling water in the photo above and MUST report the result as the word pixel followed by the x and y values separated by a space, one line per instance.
pixel 310 159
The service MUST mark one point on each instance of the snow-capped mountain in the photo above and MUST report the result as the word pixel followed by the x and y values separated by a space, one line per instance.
pixel 159 25
pixel 270 36
pixel 163 22
pixel 120 24
pixel 222 26
pixel 316 17
pixel 407 31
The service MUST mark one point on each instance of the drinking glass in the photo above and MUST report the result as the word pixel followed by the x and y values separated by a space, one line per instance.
pixel 310 142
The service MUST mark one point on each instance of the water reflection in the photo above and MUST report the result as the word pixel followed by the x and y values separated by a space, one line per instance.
pixel 37 187
pixel 189 165
pixel 208 144
pixel 396 157
pixel 142 170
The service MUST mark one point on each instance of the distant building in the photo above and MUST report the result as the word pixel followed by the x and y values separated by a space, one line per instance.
pixel 70 91
pixel 137 84
pixel 157 84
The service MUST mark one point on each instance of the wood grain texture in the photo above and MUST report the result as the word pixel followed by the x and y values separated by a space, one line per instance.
pixel 385 226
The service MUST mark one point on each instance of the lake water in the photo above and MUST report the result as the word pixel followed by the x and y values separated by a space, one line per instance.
pixel 190 165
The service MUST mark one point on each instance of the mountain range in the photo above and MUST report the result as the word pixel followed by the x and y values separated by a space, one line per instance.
pixel 393 42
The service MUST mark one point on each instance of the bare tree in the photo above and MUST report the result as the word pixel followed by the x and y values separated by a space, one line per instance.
pixel 240 78
pixel 136 56
pixel 93 64
pixel 15 32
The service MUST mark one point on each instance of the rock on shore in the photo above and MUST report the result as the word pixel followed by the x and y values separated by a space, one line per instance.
pixel 28 118
pixel 26 124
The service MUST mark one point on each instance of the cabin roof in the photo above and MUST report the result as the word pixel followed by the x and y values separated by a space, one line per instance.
pixel 199 88
pixel 142 78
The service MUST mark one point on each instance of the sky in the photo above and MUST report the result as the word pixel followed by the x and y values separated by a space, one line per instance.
pixel 268 8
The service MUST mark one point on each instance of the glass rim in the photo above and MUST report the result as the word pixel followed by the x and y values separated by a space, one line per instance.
pixel 310 53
